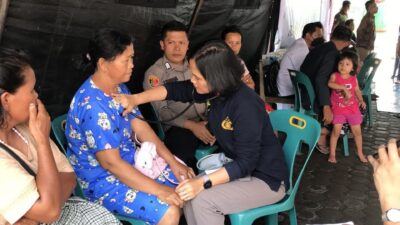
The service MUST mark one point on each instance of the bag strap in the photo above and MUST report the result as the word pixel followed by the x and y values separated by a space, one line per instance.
pixel 16 157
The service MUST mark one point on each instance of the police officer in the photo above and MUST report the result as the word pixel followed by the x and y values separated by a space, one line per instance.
pixel 184 134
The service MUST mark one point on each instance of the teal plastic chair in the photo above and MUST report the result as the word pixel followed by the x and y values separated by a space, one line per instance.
pixel 365 68
pixel 299 128
pixel 300 79
pixel 149 113
pixel 58 128
pixel 366 88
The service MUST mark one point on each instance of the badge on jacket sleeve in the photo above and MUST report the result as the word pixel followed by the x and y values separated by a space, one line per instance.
pixel 227 124
pixel 154 81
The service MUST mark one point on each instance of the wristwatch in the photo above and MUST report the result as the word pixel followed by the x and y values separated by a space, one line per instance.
pixel 391 215
pixel 206 182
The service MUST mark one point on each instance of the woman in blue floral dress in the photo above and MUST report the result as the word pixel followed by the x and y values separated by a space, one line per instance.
pixel 100 145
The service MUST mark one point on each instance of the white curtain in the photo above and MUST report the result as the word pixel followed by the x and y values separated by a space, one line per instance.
pixel 294 14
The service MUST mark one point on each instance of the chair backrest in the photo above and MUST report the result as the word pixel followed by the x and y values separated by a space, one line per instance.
pixel 302 85
pixel 299 128
pixel 365 69
pixel 58 128
pixel 149 113
pixel 370 76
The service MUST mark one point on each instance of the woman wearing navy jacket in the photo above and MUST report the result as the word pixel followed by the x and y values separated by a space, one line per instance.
pixel 258 174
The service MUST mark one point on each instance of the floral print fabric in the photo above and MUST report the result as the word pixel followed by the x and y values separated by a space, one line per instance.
pixel 95 123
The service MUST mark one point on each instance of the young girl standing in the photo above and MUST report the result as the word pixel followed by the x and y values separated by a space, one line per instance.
pixel 345 100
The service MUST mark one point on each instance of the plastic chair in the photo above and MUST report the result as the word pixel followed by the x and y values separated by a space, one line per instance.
pixel 58 128
pixel 366 88
pixel 299 128
pixel 365 68
pixel 301 81
pixel 149 113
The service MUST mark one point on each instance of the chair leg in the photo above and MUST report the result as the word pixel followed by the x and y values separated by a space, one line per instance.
pixel 369 108
pixel 271 219
pixel 292 216
pixel 345 139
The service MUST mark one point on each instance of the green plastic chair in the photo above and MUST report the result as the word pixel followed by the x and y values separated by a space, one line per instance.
pixel 149 113
pixel 299 128
pixel 365 68
pixel 300 79
pixel 58 128
pixel 366 88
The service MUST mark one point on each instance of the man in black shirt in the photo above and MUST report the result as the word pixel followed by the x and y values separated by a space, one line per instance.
pixel 318 66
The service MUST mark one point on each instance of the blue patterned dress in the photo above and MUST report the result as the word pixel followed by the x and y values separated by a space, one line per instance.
pixel 95 123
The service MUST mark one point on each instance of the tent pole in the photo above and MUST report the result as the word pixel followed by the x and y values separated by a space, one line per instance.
pixel 199 3
pixel 3 15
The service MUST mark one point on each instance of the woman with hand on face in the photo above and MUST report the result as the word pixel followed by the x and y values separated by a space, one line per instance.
pixel 233 38
pixel 38 192
pixel 258 174
pixel 100 140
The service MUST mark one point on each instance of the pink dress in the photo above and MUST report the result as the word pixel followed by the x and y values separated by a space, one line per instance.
pixel 340 105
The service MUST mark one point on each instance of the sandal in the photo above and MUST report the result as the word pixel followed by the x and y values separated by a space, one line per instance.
pixel 323 149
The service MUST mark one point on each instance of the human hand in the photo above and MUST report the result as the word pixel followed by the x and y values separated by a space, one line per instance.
pixel 346 93
pixel 201 131
pixel 386 175
pixel 181 171
pixel 169 196
pixel 189 189
pixel 327 115
pixel 39 122
pixel 25 221
pixel 248 81
pixel 363 105
pixel 128 102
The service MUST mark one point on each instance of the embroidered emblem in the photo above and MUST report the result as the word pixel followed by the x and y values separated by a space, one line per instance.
pixel 154 81
pixel 227 124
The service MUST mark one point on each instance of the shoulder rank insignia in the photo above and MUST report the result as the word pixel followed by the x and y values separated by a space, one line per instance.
pixel 154 81
pixel 227 124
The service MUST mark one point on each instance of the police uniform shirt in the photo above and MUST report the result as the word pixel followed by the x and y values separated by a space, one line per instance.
pixel 162 72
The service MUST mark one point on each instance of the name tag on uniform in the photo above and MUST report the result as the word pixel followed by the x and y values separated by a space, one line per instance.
pixel 173 79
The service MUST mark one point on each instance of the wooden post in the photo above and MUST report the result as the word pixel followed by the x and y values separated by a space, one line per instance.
pixel 3 15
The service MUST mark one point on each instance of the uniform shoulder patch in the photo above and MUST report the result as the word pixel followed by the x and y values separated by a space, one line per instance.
pixel 227 124
pixel 154 81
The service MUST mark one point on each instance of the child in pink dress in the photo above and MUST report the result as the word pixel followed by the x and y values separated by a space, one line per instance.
pixel 345 100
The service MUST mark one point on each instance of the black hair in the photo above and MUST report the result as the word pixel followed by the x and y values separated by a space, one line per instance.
pixel 221 68
pixel 12 63
pixel 345 4
pixel 230 29
pixel 348 22
pixel 350 54
pixel 173 26
pixel 341 33
pixel 107 44
pixel 368 3
pixel 310 28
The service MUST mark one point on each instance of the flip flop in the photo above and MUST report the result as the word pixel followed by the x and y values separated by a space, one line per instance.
pixel 323 149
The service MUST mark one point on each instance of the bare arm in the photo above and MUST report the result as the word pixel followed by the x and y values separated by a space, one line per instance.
pixel 359 96
pixel 110 160
pixel 131 101
pixel 48 207
pixel 68 181
pixel 386 178
pixel 189 189
pixel 333 85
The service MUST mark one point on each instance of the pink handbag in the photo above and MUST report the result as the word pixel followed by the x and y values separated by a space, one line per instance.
pixel 148 162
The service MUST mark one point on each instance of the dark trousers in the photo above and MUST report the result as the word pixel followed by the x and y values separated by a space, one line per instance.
pixel 182 143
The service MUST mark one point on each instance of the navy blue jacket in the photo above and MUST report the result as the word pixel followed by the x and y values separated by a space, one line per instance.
pixel 243 131
pixel 319 64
